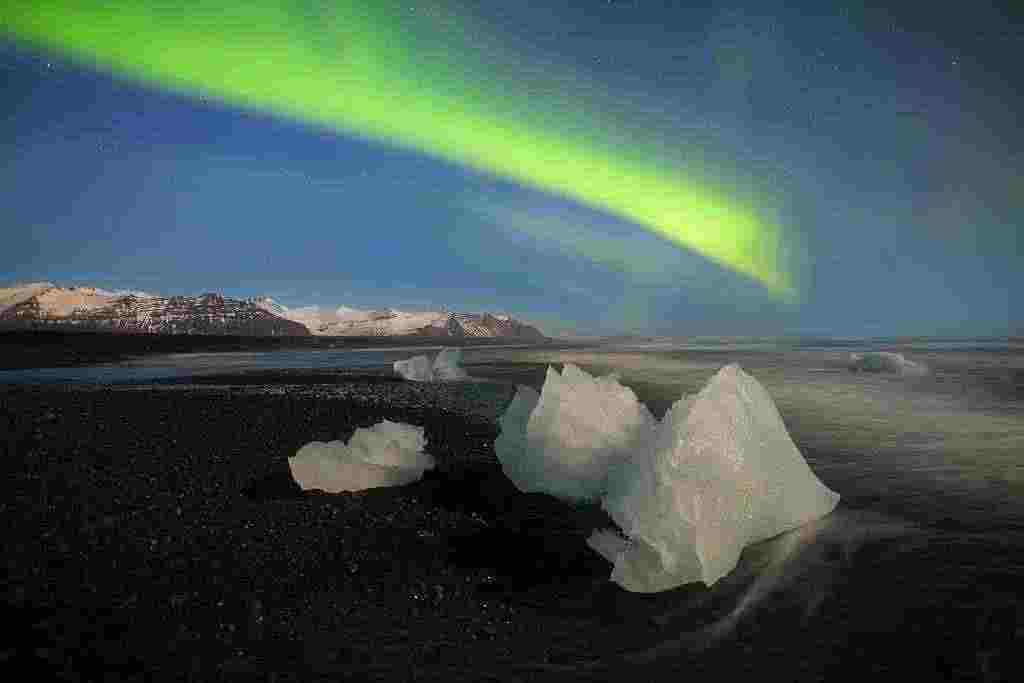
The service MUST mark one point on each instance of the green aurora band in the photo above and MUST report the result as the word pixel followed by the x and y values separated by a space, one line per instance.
pixel 425 80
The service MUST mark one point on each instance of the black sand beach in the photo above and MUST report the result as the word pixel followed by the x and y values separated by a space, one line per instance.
pixel 153 532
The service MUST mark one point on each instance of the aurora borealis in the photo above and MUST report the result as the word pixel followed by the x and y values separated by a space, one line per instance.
pixel 627 163
pixel 370 69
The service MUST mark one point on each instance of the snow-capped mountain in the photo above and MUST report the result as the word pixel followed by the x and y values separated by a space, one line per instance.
pixel 350 322
pixel 43 305
pixel 46 306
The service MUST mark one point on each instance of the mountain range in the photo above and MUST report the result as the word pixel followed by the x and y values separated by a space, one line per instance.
pixel 350 322
pixel 43 305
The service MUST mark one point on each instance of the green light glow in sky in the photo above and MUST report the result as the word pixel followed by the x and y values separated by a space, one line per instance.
pixel 419 78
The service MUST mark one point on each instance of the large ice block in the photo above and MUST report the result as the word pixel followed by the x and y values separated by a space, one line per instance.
pixel 386 454
pixel 415 369
pixel 722 473
pixel 564 442
pixel 510 446
pixel 448 365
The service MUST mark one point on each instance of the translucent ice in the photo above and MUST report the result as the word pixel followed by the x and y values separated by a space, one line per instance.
pixel 722 473
pixel 416 369
pixel 635 565
pixel 564 441
pixel 386 454
pixel 510 446
pixel 718 473
pixel 446 366
pixel 885 361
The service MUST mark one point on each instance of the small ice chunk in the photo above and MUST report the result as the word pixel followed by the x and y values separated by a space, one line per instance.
pixel 448 365
pixel 415 369
pixel 722 473
pixel 885 361
pixel 574 432
pixel 386 454
pixel 445 367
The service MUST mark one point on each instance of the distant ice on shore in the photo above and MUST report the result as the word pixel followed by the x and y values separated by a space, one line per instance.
pixel 885 361
pixel 718 473
pixel 386 454
pixel 447 366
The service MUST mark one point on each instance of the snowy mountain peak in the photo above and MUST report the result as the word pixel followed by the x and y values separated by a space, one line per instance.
pixel 44 304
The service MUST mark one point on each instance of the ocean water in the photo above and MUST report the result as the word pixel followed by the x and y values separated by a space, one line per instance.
pixel 184 365
pixel 918 571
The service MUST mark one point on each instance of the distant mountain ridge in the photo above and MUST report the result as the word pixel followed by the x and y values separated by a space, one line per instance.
pixel 44 305
pixel 349 322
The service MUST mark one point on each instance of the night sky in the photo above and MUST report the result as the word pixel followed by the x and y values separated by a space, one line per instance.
pixel 878 152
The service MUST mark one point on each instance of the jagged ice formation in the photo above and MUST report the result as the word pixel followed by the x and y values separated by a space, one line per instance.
pixel 718 473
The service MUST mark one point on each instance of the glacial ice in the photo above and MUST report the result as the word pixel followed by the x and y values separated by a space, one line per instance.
pixel 574 432
pixel 718 473
pixel 446 366
pixel 723 473
pixel 386 454
pixel 415 369
pixel 885 361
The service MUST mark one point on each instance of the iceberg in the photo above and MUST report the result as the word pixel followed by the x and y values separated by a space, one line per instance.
pixel 446 367
pixel 718 473
pixel 386 454
pixel 564 441
pixel 415 369
pixel 885 361
pixel 723 473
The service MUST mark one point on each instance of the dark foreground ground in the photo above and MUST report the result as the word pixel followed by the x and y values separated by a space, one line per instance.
pixel 154 533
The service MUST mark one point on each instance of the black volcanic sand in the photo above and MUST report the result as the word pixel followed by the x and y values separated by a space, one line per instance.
pixel 154 532
pixel 158 531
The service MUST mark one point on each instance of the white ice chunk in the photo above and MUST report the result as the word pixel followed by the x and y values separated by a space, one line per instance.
pixel 448 365
pixel 415 369
pixel 722 473
pixel 386 454
pixel 885 361
pixel 577 429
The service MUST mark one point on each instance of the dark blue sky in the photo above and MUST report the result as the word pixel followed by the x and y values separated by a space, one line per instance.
pixel 889 140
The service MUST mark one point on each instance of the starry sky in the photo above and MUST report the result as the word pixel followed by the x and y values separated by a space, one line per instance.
pixel 663 168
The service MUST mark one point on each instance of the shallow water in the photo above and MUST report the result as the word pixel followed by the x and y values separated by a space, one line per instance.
pixel 183 365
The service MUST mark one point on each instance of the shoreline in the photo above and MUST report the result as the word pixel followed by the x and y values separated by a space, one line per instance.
pixel 25 349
